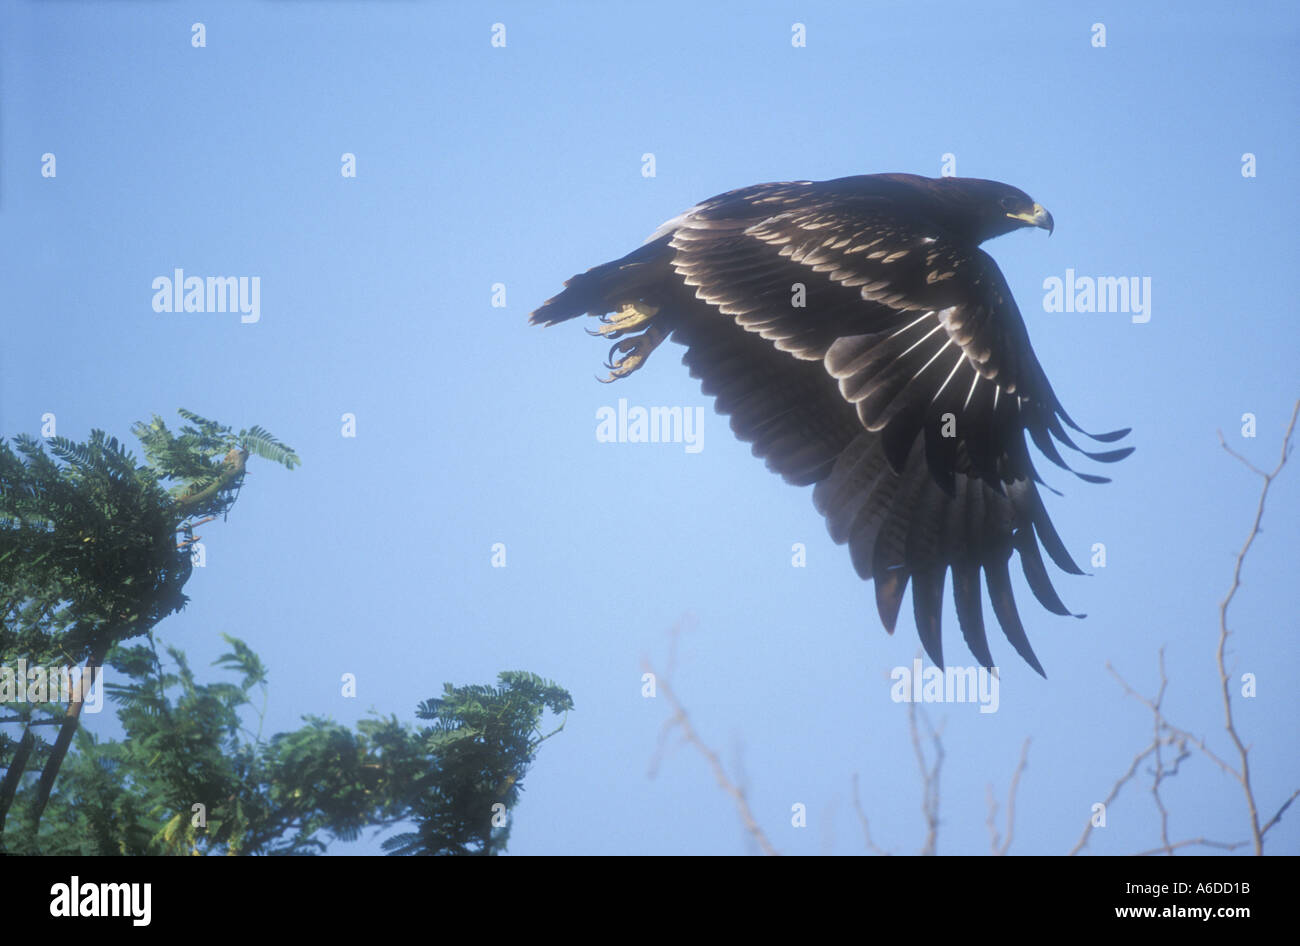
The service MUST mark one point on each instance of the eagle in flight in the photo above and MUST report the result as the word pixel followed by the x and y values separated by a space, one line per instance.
pixel 861 340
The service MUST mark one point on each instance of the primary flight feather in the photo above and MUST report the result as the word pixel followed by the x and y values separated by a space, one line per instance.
pixel 862 341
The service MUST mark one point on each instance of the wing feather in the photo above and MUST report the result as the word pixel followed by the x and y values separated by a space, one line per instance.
pixel 862 347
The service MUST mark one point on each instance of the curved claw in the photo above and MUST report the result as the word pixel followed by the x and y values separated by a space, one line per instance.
pixel 630 315
pixel 625 347
pixel 634 351
pixel 607 329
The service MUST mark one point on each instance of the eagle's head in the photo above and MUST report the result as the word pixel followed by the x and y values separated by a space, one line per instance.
pixel 975 210
pixel 995 208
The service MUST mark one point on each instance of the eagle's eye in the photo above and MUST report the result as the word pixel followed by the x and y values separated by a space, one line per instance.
pixel 1009 204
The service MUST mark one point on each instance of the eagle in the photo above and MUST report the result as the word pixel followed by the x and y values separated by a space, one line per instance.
pixel 859 338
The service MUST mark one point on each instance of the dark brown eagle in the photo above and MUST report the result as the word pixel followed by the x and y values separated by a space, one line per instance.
pixel 861 340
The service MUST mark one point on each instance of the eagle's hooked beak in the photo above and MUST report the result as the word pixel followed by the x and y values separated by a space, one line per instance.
pixel 1039 217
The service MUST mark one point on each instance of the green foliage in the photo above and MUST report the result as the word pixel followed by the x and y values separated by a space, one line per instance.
pixel 199 458
pixel 483 740
pixel 186 744
pixel 260 443
pixel 88 537
pixel 90 559
pixel 181 457
pixel 87 547
pixel 89 551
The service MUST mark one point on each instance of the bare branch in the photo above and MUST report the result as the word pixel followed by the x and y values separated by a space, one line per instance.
pixel 1193 842
pixel 680 720
pixel 929 774
pixel 1278 817
pixel 1114 793
pixel 862 819
pixel 1159 739
pixel 1183 734
pixel 1243 753
pixel 1165 733
pixel 998 845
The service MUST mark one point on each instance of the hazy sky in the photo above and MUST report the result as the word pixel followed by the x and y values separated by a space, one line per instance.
pixel 521 165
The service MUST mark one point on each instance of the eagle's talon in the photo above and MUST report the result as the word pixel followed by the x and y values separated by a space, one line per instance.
pixel 624 345
pixel 633 352
pixel 630 315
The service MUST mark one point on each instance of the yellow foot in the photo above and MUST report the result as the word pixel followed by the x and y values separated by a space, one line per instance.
pixel 634 350
pixel 629 316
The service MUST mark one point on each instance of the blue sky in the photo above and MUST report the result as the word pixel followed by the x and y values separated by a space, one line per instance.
pixel 522 165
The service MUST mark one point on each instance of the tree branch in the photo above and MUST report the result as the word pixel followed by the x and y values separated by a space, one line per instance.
pixel 1257 833
pixel 680 719
pixel 1165 733
pixel 69 729
pixel 862 820
pixel 929 775
pixel 1001 846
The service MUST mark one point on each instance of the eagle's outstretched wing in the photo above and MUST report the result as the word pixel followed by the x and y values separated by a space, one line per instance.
pixel 860 340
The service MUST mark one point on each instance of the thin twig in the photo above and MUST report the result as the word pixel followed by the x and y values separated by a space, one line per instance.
pixel 1193 842
pixel 1257 834
pixel 1159 740
pixel 999 845
pixel 681 720
pixel 1166 733
pixel 929 775
pixel 1110 798
pixel 1278 817
pixel 1195 740
pixel 862 819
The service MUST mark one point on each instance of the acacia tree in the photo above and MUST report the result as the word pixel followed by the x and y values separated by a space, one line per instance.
pixel 90 557
pixel 94 552
pixel 190 777
pixel 482 742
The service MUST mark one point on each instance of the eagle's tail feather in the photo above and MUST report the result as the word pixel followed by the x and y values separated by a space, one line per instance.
pixel 608 286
